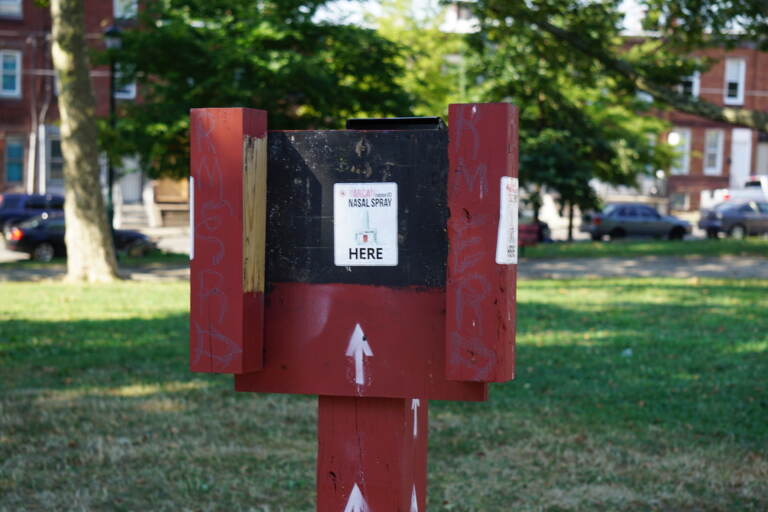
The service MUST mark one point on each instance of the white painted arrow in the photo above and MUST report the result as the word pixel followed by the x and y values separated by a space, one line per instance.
pixel 357 348
pixel 414 500
pixel 356 501
pixel 415 403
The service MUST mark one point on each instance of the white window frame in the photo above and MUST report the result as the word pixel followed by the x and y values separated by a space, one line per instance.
pixel 695 80
pixel 16 93
pixel 717 169
pixel 124 92
pixel 683 161
pixel 686 201
pixel 17 13
pixel 125 9
pixel 742 72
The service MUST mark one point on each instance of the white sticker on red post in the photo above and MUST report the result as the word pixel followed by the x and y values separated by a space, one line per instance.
pixel 191 217
pixel 365 224
pixel 506 240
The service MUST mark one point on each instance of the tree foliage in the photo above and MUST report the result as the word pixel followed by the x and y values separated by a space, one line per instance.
pixel 433 61
pixel 589 33
pixel 691 24
pixel 577 123
pixel 270 54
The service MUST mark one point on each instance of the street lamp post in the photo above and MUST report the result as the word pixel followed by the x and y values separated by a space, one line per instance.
pixel 113 42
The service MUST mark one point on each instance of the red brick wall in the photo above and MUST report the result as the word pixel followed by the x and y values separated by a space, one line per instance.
pixel 29 35
pixel 712 86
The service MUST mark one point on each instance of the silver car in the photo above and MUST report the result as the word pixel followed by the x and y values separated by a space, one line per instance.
pixel 621 220
pixel 737 219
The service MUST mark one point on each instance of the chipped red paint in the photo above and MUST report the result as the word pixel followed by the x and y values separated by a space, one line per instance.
pixel 308 330
pixel 375 354
pixel 370 443
pixel 225 323
pixel 480 322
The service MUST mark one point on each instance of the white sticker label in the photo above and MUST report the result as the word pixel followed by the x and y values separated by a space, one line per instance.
pixel 365 224
pixel 506 240
pixel 191 217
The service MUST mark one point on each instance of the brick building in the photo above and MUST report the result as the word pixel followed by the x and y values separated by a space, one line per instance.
pixel 712 154
pixel 719 155
pixel 30 150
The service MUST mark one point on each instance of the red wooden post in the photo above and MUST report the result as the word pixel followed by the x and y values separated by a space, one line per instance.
pixel 228 178
pixel 482 192
pixel 310 329
pixel 368 336
pixel 372 454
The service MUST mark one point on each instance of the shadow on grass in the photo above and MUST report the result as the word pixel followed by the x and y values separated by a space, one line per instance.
pixel 690 368
pixel 104 414
pixel 693 370
pixel 153 258
pixel 110 352
pixel 646 247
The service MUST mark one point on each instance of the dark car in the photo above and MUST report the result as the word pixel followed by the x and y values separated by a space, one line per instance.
pixel 15 208
pixel 621 220
pixel 737 219
pixel 42 238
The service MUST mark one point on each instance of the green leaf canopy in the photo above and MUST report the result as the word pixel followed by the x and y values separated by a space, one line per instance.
pixel 269 54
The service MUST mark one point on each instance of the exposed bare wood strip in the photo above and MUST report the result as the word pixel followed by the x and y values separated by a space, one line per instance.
pixel 254 212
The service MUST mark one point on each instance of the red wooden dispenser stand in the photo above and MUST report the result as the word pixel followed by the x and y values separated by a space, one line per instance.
pixel 374 267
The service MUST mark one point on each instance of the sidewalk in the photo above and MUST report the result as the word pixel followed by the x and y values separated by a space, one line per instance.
pixel 154 272
pixel 169 239
pixel 731 267
pixel 735 267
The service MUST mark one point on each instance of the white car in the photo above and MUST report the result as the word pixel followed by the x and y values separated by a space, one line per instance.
pixel 755 189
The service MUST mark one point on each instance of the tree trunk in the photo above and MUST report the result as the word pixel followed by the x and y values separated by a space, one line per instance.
pixel 90 252
pixel 570 221
pixel 536 201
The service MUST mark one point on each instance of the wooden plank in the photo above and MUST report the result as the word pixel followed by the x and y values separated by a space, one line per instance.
pixel 226 317
pixel 314 306
pixel 309 328
pixel 480 316
pixel 254 213
pixel 372 454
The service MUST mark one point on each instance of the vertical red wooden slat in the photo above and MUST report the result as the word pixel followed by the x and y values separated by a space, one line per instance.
pixel 226 319
pixel 480 309
pixel 372 454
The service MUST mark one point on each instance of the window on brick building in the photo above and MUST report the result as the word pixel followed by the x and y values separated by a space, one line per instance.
pixel 713 152
pixel 735 71
pixel 55 160
pixel 680 139
pixel 10 8
pixel 679 201
pixel 14 159
pixel 123 90
pixel 690 85
pixel 124 9
pixel 10 74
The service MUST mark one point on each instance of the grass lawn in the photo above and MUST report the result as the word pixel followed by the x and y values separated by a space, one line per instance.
pixel 154 258
pixel 637 248
pixel 632 394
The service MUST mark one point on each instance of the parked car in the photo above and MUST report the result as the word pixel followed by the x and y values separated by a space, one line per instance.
pixel 754 189
pixel 42 237
pixel 15 208
pixel 737 219
pixel 621 220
